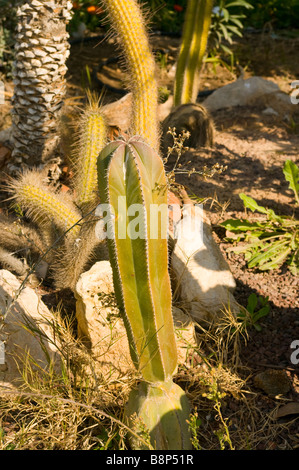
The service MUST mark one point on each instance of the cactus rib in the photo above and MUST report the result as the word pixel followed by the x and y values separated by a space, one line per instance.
pixel 133 173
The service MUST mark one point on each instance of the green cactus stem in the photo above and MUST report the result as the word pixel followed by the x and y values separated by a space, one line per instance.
pixel 127 21
pixel 163 408
pixel 91 138
pixel 43 206
pixel 132 173
pixel 193 47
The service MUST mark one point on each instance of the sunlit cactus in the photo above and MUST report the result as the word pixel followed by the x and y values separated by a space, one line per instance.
pixel 131 177
pixel 193 47
pixel 44 206
pixel 91 138
pixel 127 21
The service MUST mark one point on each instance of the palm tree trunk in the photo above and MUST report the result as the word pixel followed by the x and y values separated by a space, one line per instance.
pixel 39 77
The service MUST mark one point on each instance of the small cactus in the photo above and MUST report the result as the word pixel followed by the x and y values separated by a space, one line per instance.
pixel 133 172
pixel 193 47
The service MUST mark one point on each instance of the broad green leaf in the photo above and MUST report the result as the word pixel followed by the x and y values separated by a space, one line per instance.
pixel 237 22
pixel 252 303
pixel 276 262
pixel 261 313
pixel 225 14
pixel 226 49
pixel 234 225
pixel 224 31
pixel 294 262
pixel 251 204
pixel 234 29
pixel 239 3
pixel 267 254
pixel 291 173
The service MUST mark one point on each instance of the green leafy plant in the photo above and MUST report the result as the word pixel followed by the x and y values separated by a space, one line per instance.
pixel 281 15
pixel 272 241
pixel 227 21
pixel 7 32
pixel 257 308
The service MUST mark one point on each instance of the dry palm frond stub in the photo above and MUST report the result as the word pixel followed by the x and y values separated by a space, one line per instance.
pixel 39 78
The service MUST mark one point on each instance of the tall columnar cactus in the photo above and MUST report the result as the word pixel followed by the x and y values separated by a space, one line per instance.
pixel 127 20
pixel 131 176
pixel 193 47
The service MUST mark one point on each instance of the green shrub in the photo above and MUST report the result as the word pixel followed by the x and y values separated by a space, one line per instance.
pixel 274 240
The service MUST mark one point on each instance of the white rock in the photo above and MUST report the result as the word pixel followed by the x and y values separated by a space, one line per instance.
pixel 203 279
pixel 239 93
pixel 26 330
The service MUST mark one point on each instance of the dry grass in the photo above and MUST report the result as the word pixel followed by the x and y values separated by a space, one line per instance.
pixel 230 414
pixel 75 409
pixel 68 409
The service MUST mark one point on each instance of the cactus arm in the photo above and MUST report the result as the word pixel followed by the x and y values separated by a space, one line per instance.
pixel 90 140
pixel 194 42
pixel 127 21
pixel 45 206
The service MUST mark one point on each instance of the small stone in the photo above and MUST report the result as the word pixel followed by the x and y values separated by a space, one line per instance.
pixel 273 382
pixel 270 112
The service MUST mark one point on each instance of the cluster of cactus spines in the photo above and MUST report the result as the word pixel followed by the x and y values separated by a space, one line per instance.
pixel 11 262
pixel 44 206
pixel 127 21
pixel 91 138
pixel 134 173
pixel 20 245
pixel 62 219
pixel 193 47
